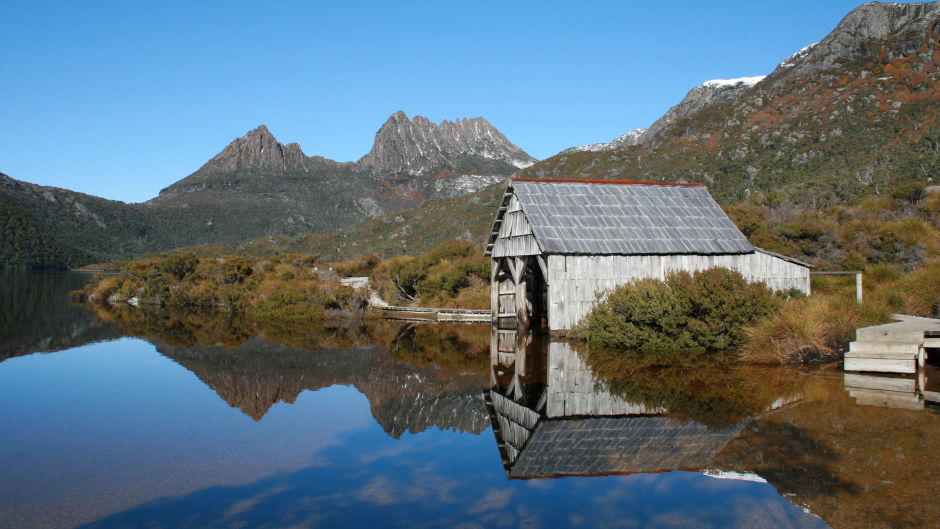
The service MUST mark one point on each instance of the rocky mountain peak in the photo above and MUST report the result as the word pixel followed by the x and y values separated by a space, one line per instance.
pixel 257 150
pixel 706 94
pixel 419 146
pixel 859 36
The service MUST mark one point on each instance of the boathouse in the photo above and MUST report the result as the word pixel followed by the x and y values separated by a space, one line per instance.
pixel 557 245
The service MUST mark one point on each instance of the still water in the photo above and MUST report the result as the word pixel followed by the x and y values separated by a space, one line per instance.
pixel 129 419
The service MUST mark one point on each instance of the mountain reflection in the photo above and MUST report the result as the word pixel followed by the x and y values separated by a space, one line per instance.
pixel 403 397
pixel 821 438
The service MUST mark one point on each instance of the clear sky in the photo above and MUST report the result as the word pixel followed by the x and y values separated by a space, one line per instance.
pixel 120 99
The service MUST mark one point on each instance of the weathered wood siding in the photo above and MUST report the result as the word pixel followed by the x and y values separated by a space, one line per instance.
pixel 573 391
pixel 515 234
pixel 575 281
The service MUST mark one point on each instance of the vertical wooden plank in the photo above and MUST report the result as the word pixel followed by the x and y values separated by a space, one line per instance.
pixel 494 354
pixel 494 289
pixel 522 310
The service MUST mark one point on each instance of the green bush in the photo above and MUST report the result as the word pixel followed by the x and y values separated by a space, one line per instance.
pixel 441 277
pixel 180 265
pixel 155 285
pixel 703 310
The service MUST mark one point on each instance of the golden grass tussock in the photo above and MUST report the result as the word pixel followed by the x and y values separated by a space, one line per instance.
pixel 796 331
pixel 821 326
pixel 919 292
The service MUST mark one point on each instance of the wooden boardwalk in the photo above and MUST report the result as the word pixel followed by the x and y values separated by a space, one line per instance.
pixel 899 347
pixel 436 314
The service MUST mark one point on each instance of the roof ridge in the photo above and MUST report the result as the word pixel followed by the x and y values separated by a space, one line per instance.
pixel 594 181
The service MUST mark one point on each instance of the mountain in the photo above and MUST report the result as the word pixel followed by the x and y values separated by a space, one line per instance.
pixel 257 186
pixel 419 147
pixel 624 140
pixel 27 245
pixel 840 120
pixel 80 226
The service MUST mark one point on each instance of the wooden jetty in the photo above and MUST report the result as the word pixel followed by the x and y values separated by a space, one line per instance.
pixel 899 347
pixel 448 315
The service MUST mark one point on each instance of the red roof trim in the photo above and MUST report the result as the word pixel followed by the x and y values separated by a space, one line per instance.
pixel 577 181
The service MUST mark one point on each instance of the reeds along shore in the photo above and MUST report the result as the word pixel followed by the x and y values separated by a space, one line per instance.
pixel 293 289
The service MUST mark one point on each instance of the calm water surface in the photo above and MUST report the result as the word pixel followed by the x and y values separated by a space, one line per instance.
pixel 128 419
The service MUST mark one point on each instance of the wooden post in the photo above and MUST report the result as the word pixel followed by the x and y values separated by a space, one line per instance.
pixel 494 354
pixel 858 280
pixel 494 290
pixel 858 287
pixel 522 309
pixel 543 267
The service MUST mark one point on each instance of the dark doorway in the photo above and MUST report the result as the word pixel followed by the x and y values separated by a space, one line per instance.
pixel 537 294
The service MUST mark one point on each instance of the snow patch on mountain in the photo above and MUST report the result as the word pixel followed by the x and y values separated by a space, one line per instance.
pixel 464 185
pixel 749 81
pixel 796 57
pixel 634 137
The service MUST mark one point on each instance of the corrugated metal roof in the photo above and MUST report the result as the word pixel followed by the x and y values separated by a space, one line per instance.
pixel 609 445
pixel 626 218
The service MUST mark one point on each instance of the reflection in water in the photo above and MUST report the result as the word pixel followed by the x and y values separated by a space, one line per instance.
pixel 125 434
pixel 403 397
pixel 557 411
pixel 910 392
pixel 35 315
pixel 415 376
pixel 695 385
pixel 552 416
pixel 857 466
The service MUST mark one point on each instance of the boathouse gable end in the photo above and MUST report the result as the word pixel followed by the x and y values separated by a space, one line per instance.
pixel 559 246
pixel 514 236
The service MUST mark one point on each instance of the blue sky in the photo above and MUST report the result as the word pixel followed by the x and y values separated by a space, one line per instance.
pixel 120 99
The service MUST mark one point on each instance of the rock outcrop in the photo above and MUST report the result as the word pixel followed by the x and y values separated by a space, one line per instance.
pixel 419 147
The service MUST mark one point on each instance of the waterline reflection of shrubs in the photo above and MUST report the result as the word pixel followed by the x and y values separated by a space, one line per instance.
pixel 709 388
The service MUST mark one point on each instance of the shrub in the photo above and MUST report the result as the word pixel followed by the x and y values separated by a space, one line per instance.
pixel 291 306
pixel 155 285
pixel 362 266
pixel 180 265
pixel 442 277
pixel 910 192
pixel 707 309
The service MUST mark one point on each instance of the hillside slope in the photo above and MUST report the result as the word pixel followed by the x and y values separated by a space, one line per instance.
pixel 258 187
pixel 840 120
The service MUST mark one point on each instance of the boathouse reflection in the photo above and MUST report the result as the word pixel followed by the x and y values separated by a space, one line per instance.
pixel 552 417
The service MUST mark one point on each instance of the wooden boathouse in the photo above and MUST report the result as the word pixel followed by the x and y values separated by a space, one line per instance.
pixel 556 245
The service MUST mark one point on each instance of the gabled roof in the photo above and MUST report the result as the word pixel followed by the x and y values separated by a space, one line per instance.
pixel 624 218
pixel 592 446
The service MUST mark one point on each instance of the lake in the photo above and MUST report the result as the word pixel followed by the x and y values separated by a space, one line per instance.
pixel 126 418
